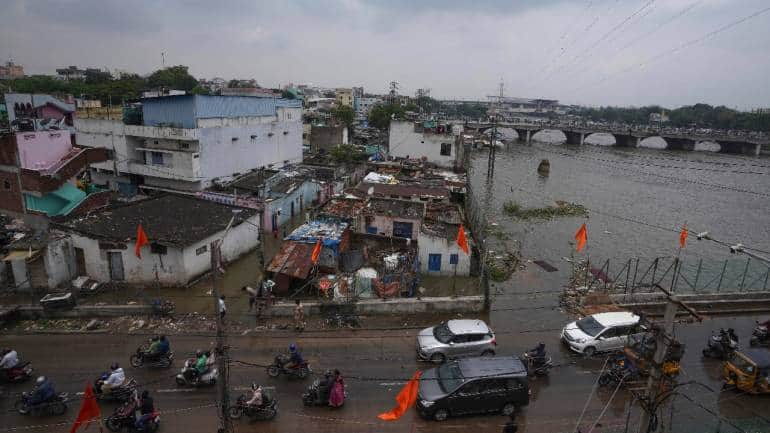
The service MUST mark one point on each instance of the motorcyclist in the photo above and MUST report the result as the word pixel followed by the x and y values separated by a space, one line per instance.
pixel 295 358
pixel 256 396
pixel 43 392
pixel 165 346
pixel 146 409
pixel 116 378
pixel 153 351
pixel 201 364
pixel 732 335
pixel 10 359
pixel 537 355
pixel 325 386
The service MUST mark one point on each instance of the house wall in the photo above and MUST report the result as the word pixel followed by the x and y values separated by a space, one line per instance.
pixel 20 274
pixel 308 191
pixel 239 240
pixel 59 261
pixel 10 192
pixel 42 149
pixel 384 225
pixel 440 245
pixel 405 143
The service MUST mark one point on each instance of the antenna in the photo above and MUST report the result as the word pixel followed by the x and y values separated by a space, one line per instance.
pixel 163 59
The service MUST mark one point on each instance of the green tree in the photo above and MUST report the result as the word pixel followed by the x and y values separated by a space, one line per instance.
pixel 344 114
pixel 95 76
pixel 344 153
pixel 380 115
pixel 200 90
pixel 173 77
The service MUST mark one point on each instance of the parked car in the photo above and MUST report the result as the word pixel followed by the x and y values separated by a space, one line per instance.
pixel 473 386
pixel 603 332
pixel 455 339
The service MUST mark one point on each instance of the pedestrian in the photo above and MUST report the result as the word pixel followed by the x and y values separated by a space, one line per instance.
pixel 299 316
pixel 222 308
pixel 252 295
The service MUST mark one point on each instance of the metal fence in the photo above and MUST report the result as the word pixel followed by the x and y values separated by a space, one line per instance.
pixel 681 275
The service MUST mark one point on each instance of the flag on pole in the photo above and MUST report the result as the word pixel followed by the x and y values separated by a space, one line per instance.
pixel 89 411
pixel 316 252
pixel 405 398
pixel 581 237
pixel 141 240
pixel 462 241
pixel 683 236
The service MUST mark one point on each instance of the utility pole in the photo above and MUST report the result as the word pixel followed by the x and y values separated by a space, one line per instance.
pixel 225 423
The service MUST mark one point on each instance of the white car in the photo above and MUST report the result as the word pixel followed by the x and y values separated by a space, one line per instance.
pixel 603 332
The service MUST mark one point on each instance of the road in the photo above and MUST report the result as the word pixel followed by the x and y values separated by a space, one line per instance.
pixel 376 364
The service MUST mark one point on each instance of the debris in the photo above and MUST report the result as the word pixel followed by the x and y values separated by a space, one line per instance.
pixel 93 324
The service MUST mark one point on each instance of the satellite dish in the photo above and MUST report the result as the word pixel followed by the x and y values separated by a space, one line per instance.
pixel 370 191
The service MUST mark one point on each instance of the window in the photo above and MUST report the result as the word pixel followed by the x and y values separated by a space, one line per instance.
pixel 183 145
pixel 446 149
pixel 110 154
pixel 434 262
pixel 6 185
pixel 453 259
pixel 156 158
pixel 201 250
pixel 288 116
pixel 472 388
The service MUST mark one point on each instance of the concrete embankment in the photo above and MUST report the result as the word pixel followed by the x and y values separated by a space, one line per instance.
pixel 707 304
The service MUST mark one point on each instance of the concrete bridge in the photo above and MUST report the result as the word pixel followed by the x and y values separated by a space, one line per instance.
pixel 630 137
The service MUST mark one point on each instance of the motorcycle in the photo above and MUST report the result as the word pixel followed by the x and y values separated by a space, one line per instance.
pixel 55 406
pixel 717 348
pixel 124 416
pixel 541 369
pixel 189 375
pixel 120 394
pixel 760 336
pixel 266 412
pixel 278 367
pixel 313 395
pixel 141 357
pixel 21 372
pixel 618 373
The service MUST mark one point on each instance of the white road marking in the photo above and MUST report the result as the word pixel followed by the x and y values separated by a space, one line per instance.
pixel 391 383
pixel 248 388
pixel 176 390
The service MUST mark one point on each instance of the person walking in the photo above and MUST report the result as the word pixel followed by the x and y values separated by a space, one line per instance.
pixel 222 307
pixel 252 292
pixel 299 316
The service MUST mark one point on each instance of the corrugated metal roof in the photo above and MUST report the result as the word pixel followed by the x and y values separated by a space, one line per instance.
pixel 184 110
pixel 293 259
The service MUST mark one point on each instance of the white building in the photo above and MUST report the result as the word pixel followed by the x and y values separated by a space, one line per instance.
pixel 180 230
pixel 364 105
pixel 437 242
pixel 185 142
pixel 440 144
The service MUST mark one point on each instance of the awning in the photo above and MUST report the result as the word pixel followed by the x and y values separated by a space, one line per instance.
pixel 19 255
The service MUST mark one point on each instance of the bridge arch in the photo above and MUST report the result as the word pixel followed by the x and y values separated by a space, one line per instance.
pixel 653 142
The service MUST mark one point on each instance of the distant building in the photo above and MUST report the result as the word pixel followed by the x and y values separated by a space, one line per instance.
pixel 365 104
pixel 326 137
pixel 249 91
pixel 434 142
pixel 11 71
pixel 514 106
pixel 185 143
pixel 32 112
pixel 74 73
pixel 213 85
pixel 762 111
pixel 661 117
pixel 344 96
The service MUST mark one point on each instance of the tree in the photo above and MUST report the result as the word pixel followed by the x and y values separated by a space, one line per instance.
pixel 95 76
pixel 200 90
pixel 380 114
pixel 346 153
pixel 344 114
pixel 173 77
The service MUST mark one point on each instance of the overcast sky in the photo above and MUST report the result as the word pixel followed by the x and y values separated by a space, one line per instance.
pixel 577 51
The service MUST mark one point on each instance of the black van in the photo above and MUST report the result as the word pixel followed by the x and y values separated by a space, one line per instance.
pixel 473 385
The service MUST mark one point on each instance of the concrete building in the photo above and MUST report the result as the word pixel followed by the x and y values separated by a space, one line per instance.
pixel 394 218
pixel 344 96
pixel 11 71
pixel 186 142
pixel 325 137
pixel 39 174
pixel 433 142
pixel 180 229
pixel 437 242
pixel 364 105
pixel 74 73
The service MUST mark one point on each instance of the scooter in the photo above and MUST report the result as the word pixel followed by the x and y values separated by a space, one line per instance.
pixel 56 406
pixel 717 348
pixel 141 357
pixel 313 395
pixel 541 369
pixel 266 412
pixel 278 367
pixel 124 416
pixel 189 375
pixel 760 336
pixel 21 372
pixel 120 394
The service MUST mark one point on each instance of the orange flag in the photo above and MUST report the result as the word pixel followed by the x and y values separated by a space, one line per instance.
pixel 316 252
pixel 89 411
pixel 683 236
pixel 141 240
pixel 405 398
pixel 581 237
pixel 461 240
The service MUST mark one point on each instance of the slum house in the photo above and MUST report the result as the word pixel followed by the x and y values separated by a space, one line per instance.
pixel 381 266
pixel 410 171
pixel 41 260
pixel 334 176
pixel 180 229
pixel 291 267
pixel 414 191
pixel 348 209
pixel 439 252
pixel 326 137
pixel 393 217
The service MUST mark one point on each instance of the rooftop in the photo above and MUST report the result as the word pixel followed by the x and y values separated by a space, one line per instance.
pixel 183 110
pixel 168 219
pixel 293 259
pixel 252 182
pixel 343 207
pixel 393 207
pixel 329 229
pixel 404 190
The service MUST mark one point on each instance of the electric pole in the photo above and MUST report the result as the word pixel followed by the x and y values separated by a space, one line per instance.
pixel 223 362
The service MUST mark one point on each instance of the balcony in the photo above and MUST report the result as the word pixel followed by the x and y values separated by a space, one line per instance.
pixel 162 132
pixel 51 178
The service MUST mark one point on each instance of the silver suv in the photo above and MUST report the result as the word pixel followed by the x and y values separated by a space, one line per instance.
pixel 455 339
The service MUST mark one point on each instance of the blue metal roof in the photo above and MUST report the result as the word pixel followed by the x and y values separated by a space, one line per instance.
pixel 182 111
